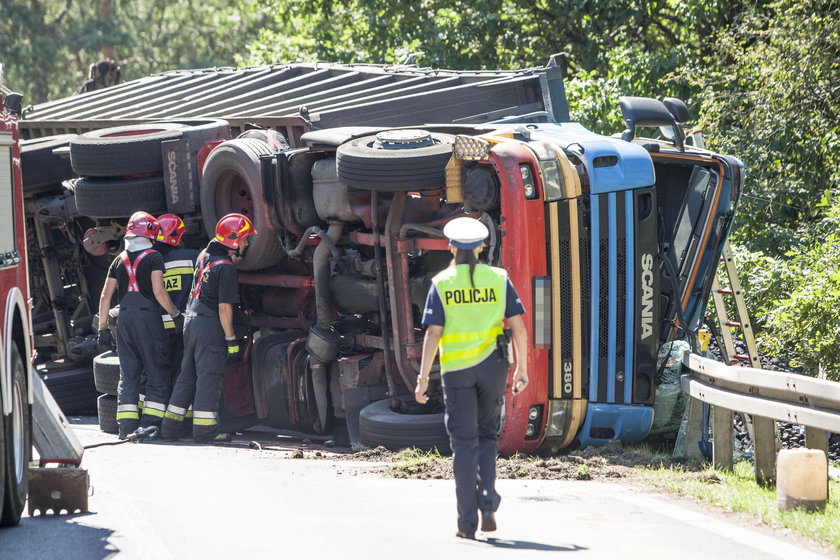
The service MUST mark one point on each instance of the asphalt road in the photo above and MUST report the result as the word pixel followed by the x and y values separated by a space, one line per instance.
pixel 180 501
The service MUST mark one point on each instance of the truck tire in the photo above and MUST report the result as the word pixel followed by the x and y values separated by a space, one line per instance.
pixel 122 150
pixel 379 425
pixel 73 390
pixel 42 168
pixel 18 446
pixel 106 373
pixel 362 163
pixel 104 198
pixel 232 182
pixel 106 408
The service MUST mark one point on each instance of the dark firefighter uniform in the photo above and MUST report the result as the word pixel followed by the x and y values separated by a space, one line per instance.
pixel 473 369
pixel 205 349
pixel 141 341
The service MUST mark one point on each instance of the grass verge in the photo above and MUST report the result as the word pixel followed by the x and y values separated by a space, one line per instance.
pixel 738 491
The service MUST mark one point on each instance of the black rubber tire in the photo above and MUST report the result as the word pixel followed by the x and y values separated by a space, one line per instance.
pixel 114 198
pixel 73 390
pixel 18 445
pixel 106 409
pixel 361 165
pixel 379 425
pixel 122 150
pixel 232 182
pixel 42 169
pixel 106 373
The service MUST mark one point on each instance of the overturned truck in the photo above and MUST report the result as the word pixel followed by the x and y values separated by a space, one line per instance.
pixel 349 174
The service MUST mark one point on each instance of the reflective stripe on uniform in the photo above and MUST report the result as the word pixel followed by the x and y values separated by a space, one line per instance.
pixel 128 412
pixel 472 336
pixel 204 418
pixel 482 351
pixel 181 263
pixel 176 409
pixel 154 409
pixel 173 416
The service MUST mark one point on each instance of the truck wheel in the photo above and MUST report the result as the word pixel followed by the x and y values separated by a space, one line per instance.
pixel 106 408
pixel 106 373
pixel 232 182
pixel 98 198
pixel 42 169
pixel 122 150
pixel 18 446
pixel 379 425
pixel 395 160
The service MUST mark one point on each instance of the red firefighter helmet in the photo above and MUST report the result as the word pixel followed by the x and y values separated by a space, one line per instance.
pixel 142 224
pixel 171 229
pixel 231 229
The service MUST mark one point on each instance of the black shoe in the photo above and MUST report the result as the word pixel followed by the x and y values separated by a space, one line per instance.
pixel 126 430
pixel 488 521
pixel 465 535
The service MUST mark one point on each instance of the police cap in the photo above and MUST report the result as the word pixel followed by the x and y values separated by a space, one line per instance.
pixel 465 233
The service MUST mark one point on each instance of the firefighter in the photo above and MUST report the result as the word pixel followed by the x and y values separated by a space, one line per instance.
pixel 137 275
pixel 464 313
pixel 210 343
pixel 177 279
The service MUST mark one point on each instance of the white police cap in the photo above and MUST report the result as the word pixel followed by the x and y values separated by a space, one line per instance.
pixel 465 233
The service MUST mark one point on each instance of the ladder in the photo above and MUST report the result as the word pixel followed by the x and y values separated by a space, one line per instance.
pixel 743 323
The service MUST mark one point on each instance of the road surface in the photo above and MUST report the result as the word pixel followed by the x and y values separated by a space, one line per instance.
pixel 181 501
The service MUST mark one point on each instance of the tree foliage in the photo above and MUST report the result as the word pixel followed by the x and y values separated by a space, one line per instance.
pixel 48 45
pixel 771 96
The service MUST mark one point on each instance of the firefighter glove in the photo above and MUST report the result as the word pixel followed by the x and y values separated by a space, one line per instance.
pixel 179 321
pixel 104 340
pixel 234 350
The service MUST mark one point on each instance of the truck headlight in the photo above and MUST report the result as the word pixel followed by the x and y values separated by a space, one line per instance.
pixel 528 184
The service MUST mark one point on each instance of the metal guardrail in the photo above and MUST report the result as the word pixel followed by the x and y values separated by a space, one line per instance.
pixel 767 396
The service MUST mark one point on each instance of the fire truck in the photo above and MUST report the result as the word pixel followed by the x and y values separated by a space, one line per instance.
pixel 16 395
pixel 349 174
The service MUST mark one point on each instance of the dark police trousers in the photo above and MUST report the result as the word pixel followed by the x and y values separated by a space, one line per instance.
pixel 202 375
pixel 474 399
pixel 142 347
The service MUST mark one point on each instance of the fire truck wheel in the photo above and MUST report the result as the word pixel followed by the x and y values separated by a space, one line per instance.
pixel 379 425
pixel 18 445
pixel 106 408
pixel 112 198
pixel 106 373
pixel 367 163
pixel 42 169
pixel 122 150
pixel 232 182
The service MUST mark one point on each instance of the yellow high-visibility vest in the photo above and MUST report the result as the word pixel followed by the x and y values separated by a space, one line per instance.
pixel 474 314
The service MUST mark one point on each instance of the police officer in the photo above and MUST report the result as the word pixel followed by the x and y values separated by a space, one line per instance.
pixel 209 340
pixel 177 279
pixel 137 274
pixel 464 314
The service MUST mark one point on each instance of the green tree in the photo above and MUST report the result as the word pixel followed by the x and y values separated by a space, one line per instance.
pixel 48 45
pixel 770 95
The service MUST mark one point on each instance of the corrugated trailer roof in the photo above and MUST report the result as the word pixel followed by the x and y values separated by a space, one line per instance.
pixel 332 94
